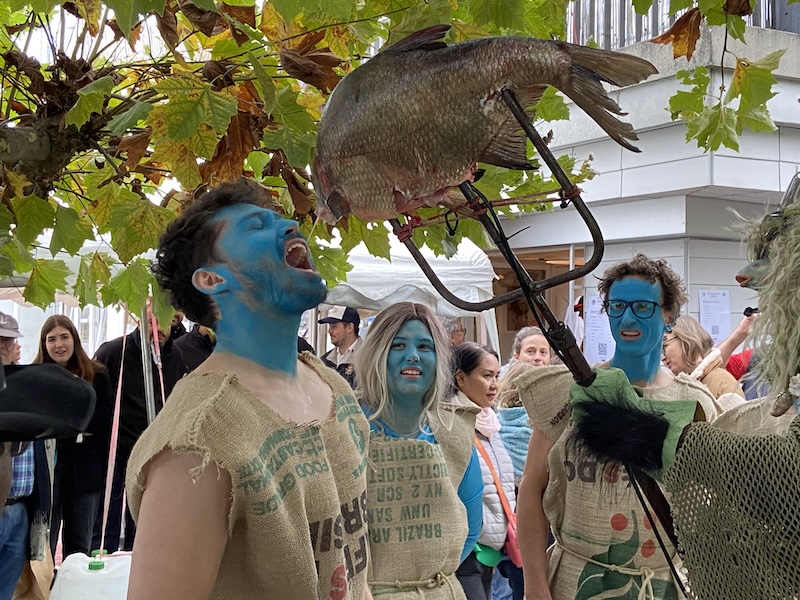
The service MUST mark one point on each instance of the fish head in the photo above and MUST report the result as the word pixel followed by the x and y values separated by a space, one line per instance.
pixel 331 204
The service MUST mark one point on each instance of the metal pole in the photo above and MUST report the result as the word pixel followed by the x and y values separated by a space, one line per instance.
pixel 147 366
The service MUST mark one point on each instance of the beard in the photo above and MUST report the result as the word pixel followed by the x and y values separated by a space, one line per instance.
pixel 282 289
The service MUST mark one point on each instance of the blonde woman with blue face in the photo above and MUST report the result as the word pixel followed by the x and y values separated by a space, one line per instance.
pixel 424 483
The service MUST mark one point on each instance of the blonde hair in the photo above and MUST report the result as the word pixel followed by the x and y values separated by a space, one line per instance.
pixel 507 390
pixel 370 360
pixel 695 341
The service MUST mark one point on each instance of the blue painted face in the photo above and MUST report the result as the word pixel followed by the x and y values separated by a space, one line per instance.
pixel 411 365
pixel 266 261
pixel 638 338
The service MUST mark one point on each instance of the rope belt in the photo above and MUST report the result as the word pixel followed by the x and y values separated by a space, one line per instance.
pixel 438 580
pixel 646 573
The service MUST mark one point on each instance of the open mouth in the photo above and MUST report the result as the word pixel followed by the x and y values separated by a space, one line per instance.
pixel 411 372
pixel 630 334
pixel 296 255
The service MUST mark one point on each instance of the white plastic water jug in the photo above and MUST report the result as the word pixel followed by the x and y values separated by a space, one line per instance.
pixel 83 578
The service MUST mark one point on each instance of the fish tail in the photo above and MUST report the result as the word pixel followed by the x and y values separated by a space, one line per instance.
pixel 591 67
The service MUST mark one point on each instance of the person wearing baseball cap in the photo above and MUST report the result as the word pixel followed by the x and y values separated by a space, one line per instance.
pixel 9 332
pixel 342 322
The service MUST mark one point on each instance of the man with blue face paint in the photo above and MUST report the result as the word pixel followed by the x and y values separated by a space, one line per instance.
pixel 252 479
pixel 605 547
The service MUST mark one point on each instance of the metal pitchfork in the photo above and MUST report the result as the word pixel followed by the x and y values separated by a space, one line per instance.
pixel 557 333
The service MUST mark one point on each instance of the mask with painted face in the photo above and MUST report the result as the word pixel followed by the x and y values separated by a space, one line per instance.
pixel 637 325
pixel 411 365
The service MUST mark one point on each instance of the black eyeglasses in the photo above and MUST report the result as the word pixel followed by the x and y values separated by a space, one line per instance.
pixel 644 309
pixel 769 228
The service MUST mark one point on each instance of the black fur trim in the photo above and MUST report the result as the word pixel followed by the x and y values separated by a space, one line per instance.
pixel 619 432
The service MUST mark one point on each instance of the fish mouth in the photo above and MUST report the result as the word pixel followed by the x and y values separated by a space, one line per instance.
pixel 296 254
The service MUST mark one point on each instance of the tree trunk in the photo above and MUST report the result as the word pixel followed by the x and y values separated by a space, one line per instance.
pixel 23 144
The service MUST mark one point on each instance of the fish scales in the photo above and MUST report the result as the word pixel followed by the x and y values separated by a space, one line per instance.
pixel 410 125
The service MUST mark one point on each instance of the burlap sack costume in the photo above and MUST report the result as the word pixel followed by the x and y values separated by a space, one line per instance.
pixel 736 506
pixel 417 522
pixel 297 526
pixel 593 512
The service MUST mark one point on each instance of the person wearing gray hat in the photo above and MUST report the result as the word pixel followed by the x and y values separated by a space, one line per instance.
pixel 342 322
pixel 9 332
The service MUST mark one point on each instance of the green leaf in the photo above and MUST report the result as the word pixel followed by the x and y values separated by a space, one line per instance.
pixel 70 231
pixel 130 286
pixel 93 271
pixel 716 17
pixel 288 9
pixel 374 235
pixel 130 118
pixel 717 127
pixel 264 84
pixel 6 219
pixel 642 6
pixel 91 99
pixel 19 255
pixel 193 102
pixel 757 119
pixel 46 277
pixel 105 198
pixel 127 12
pixel 707 6
pixel 136 227
pixel 230 48
pixel 551 106
pixel 297 146
pixel 162 309
pixel 209 5
pixel 675 6
pixel 337 10
pixel 736 26
pixel 34 215
pixel 331 263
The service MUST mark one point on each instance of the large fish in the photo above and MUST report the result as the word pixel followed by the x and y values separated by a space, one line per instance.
pixel 404 129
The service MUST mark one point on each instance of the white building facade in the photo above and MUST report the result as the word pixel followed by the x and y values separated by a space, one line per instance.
pixel 672 200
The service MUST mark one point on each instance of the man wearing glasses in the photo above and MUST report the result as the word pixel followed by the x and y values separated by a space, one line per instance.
pixel 604 545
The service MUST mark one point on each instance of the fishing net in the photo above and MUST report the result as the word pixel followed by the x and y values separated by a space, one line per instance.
pixel 736 503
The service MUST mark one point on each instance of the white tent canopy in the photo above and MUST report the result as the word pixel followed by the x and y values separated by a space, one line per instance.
pixel 376 283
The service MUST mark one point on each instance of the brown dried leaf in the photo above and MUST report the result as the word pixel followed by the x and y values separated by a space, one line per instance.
pixel 300 194
pixel 248 98
pixel 314 68
pixel 243 14
pixel 219 73
pixel 136 147
pixel 308 42
pixel 207 22
pixel 741 8
pixel 231 151
pixel 683 34
pixel 153 171
pixel 168 27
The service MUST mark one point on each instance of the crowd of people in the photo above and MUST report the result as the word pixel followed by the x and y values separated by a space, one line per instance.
pixel 393 465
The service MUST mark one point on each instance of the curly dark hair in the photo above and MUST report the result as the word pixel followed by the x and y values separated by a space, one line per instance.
pixel 673 292
pixel 189 243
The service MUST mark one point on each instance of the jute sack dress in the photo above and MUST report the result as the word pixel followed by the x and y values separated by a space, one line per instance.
pixel 297 526
pixel 417 522
pixel 605 547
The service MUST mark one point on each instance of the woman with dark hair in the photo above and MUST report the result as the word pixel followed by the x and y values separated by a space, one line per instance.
pixel 80 463
pixel 424 483
pixel 476 369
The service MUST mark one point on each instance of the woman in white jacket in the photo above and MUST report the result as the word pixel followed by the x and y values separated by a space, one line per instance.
pixel 475 382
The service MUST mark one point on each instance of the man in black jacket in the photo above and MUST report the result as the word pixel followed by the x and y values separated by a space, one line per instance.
pixel 133 417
